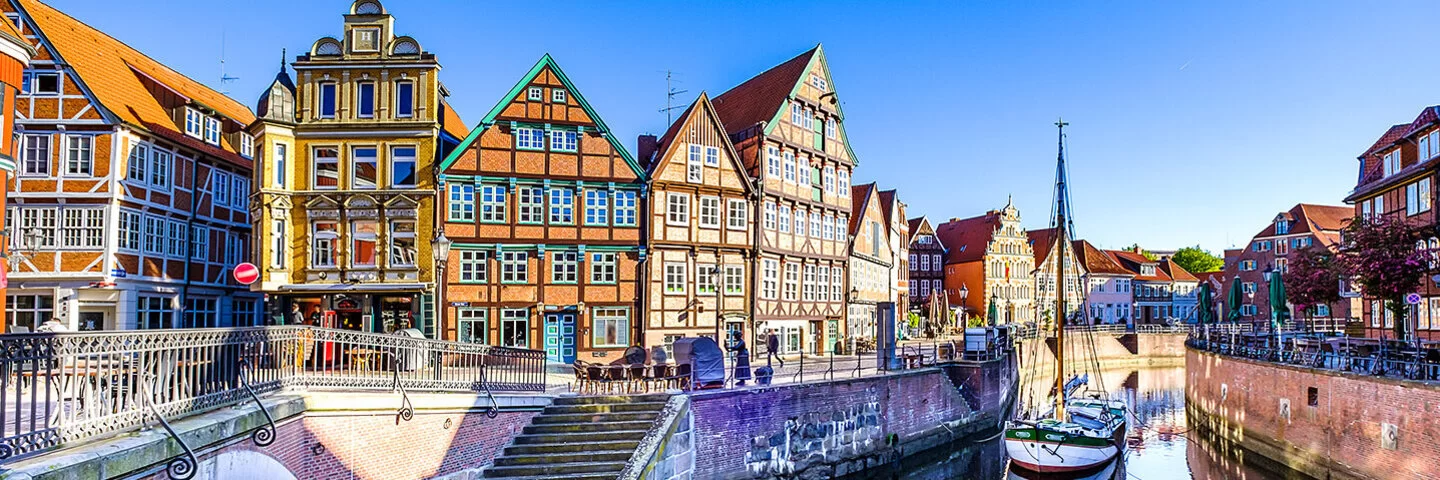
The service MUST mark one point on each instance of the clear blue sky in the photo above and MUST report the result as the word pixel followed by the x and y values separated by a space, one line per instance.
pixel 1190 123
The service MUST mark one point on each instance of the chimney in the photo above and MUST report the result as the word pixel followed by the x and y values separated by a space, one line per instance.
pixel 1138 250
pixel 645 148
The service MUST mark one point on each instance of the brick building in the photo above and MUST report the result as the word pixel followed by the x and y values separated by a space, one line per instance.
pixel 130 198
pixel 927 265
pixel 1301 226
pixel 991 259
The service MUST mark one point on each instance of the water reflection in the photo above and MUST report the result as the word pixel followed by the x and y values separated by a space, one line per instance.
pixel 1159 444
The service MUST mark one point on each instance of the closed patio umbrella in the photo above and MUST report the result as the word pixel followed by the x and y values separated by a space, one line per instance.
pixel 1203 316
pixel 994 313
pixel 1233 301
pixel 1279 304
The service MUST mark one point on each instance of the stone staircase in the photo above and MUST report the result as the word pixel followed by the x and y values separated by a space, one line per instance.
pixel 579 438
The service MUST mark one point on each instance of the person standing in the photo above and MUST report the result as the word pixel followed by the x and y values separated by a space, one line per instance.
pixel 295 317
pixel 772 347
pixel 742 358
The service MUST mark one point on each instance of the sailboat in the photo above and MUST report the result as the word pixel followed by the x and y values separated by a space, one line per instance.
pixel 1077 434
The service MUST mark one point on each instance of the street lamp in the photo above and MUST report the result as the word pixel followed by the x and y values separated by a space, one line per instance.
pixel 964 294
pixel 442 259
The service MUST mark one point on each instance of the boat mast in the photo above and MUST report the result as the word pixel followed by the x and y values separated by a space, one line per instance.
pixel 1061 223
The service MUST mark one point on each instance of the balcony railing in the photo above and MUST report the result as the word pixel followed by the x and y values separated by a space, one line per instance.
pixel 60 388
pixel 1366 356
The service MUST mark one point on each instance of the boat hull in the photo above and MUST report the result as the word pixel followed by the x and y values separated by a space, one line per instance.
pixel 1046 452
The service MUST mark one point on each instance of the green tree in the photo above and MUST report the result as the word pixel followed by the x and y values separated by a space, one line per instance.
pixel 1197 260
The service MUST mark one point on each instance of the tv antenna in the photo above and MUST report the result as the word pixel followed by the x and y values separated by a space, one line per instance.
pixel 670 93
pixel 225 79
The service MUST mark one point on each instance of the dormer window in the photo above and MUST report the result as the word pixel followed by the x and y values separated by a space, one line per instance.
pixel 1282 226
pixel 1147 270
pixel 1392 162
pixel 365 40
pixel 557 95
pixel 536 94
pixel 212 131
pixel 194 122
pixel 247 145
pixel 365 100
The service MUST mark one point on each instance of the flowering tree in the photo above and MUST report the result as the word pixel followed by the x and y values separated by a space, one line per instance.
pixel 1312 278
pixel 1380 254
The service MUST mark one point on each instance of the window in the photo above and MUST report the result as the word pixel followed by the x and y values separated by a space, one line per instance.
pixel 769 216
pixel 402 243
pixel 562 206
pixel 737 216
pixel 792 282
pixel 712 156
pixel 46 84
pixel 1247 287
pixel 821 292
pixel 532 205
pixel 1380 206
pixel 175 240
pixel 515 327
pixel 694 168
pixel 789 167
pixel 364 235
pixel 809 284
pixel 612 326
pixel 154 313
pixel 624 209
pixel 201 313
pixel 797 114
pixel 831 129
pixel 597 207
pixel 529 138
pixel 160 165
pixel 280 164
pixel 327 100
pixel 129 230
pixel 675 279
pixel 809 120
pixel 154 235
pixel 564 267
pixel 805 171
pixel 404 99
pixel 462 202
pixel 677 209
pixel 815 224
pixel 705 279
pixel 1392 163
pixel 138 162
pixel 1322 310
pixel 220 187
pixel 843 189
pixel 474 325
pixel 770 279
pixel 84 228
pixel 35 159
pixel 829 179
pixel 828 226
pixel 514 267
pixel 492 203
pixel 474 266
pixel 79 155
pixel 602 268
pixel 1282 248
pixel 818 83
pixel 364 168
pixel 734 279
pixel 924 262
pixel 365 100
pixel 194 122
pixel 564 140
pixel 212 131
pixel 557 95
pixel 402 167
pixel 279 248
pixel 842 224
pixel 784 219
pixel 327 169
pixel 799 222
pixel 29 311
pixel 535 94
pixel 772 162
pixel 710 212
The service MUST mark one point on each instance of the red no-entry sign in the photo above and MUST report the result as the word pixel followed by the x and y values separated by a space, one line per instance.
pixel 246 273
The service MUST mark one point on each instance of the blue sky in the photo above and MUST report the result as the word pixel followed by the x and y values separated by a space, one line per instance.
pixel 1190 123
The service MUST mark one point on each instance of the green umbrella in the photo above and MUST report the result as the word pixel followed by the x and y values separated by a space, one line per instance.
pixel 1234 300
pixel 1279 311
pixel 994 311
pixel 1204 314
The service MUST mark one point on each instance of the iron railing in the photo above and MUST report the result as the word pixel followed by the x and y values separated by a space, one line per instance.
pixel 60 388
pixel 1361 356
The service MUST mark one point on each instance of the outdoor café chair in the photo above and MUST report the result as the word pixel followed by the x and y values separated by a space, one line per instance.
pixel 637 377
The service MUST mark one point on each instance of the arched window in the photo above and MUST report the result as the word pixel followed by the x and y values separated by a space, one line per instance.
pixel 405 47
pixel 328 48
pixel 368 8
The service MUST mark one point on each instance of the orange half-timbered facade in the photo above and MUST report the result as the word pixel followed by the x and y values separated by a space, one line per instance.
pixel 129 202
pixel 788 128
pixel 543 206
pixel 701 232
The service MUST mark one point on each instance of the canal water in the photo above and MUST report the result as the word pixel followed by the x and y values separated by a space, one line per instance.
pixel 1160 445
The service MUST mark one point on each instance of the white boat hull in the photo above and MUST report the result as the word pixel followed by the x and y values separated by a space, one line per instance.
pixel 1047 457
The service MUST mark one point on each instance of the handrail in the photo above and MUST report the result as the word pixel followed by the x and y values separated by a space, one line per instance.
pixel 1343 355
pixel 265 435
pixel 179 468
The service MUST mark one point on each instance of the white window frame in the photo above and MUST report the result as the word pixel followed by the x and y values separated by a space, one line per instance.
pixel 324 244
pixel 737 214
pixel 194 123
pixel 564 141
pixel 316 161
pixel 772 162
pixel 770 279
pixel 356 159
pixel 531 208
pixel 34 160
pixel 784 219
pixel 212 130
pixel 399 257
pixel 675 278
pixel 789 161
pixel 562 206
pixel 535 94
pixel 705 280
pixel 603 269
pixel 79 155
pixel 626 214
pixel 558 95
pixel 597 207
pixel 709 212
pixel 734 280
pixel 493 203
pixel 400 156
pixel 529 138
pixel 769 222
pixel 607 320
pixel 694 164
pixel 462 202
pixel 565 268
pixel 677 209
pixel 712 156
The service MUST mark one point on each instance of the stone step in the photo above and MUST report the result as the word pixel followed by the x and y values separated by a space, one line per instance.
pixel 545 419
pixel 604 408
pixel 575 457
pixel 550 470
pixel 580 437
pixel 609 399
pixel 628 446
pixel 586 427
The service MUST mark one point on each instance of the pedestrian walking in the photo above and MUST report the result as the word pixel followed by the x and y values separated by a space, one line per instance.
pixel 742 358
pixel 772 347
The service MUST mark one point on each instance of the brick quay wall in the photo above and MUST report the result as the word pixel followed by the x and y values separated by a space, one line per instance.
pixel 830 429
pixel 1323 423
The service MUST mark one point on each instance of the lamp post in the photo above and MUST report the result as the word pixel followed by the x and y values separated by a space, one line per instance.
pixel 715 284
pixel 964 294
pixel 1269 275
pixel 854 338
pixel 441 245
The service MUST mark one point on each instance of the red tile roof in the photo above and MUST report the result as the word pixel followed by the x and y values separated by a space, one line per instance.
pixel 1096 261
pixel 965 240
pixel 859 196
pixel 116 74
pixel 1177 272
pixel 450 121
pixel 1132 261
pixel 1040 242
pixel 1308 218
pixel 762 96
pixel 1371 163
pixel 887 205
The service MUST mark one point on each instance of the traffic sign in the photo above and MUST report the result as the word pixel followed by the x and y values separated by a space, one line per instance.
pixel 246 273
pixel 1412 298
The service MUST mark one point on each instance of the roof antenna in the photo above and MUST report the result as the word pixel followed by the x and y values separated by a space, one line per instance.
pixel 225 79
pixel 670 93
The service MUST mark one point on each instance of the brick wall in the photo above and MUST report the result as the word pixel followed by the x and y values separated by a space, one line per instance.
pixel 379 447
pixel 831 428
pixel 1345 433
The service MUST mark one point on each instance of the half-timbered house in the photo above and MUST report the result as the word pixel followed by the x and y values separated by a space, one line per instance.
pixel 129 203
pixel 927 265
pixel 871 262
pixel 788 128
pixel 543 205
pixel 15 54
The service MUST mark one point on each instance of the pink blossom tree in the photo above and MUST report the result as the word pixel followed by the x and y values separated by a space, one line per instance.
pixel 1312 279
pixel 1380 254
